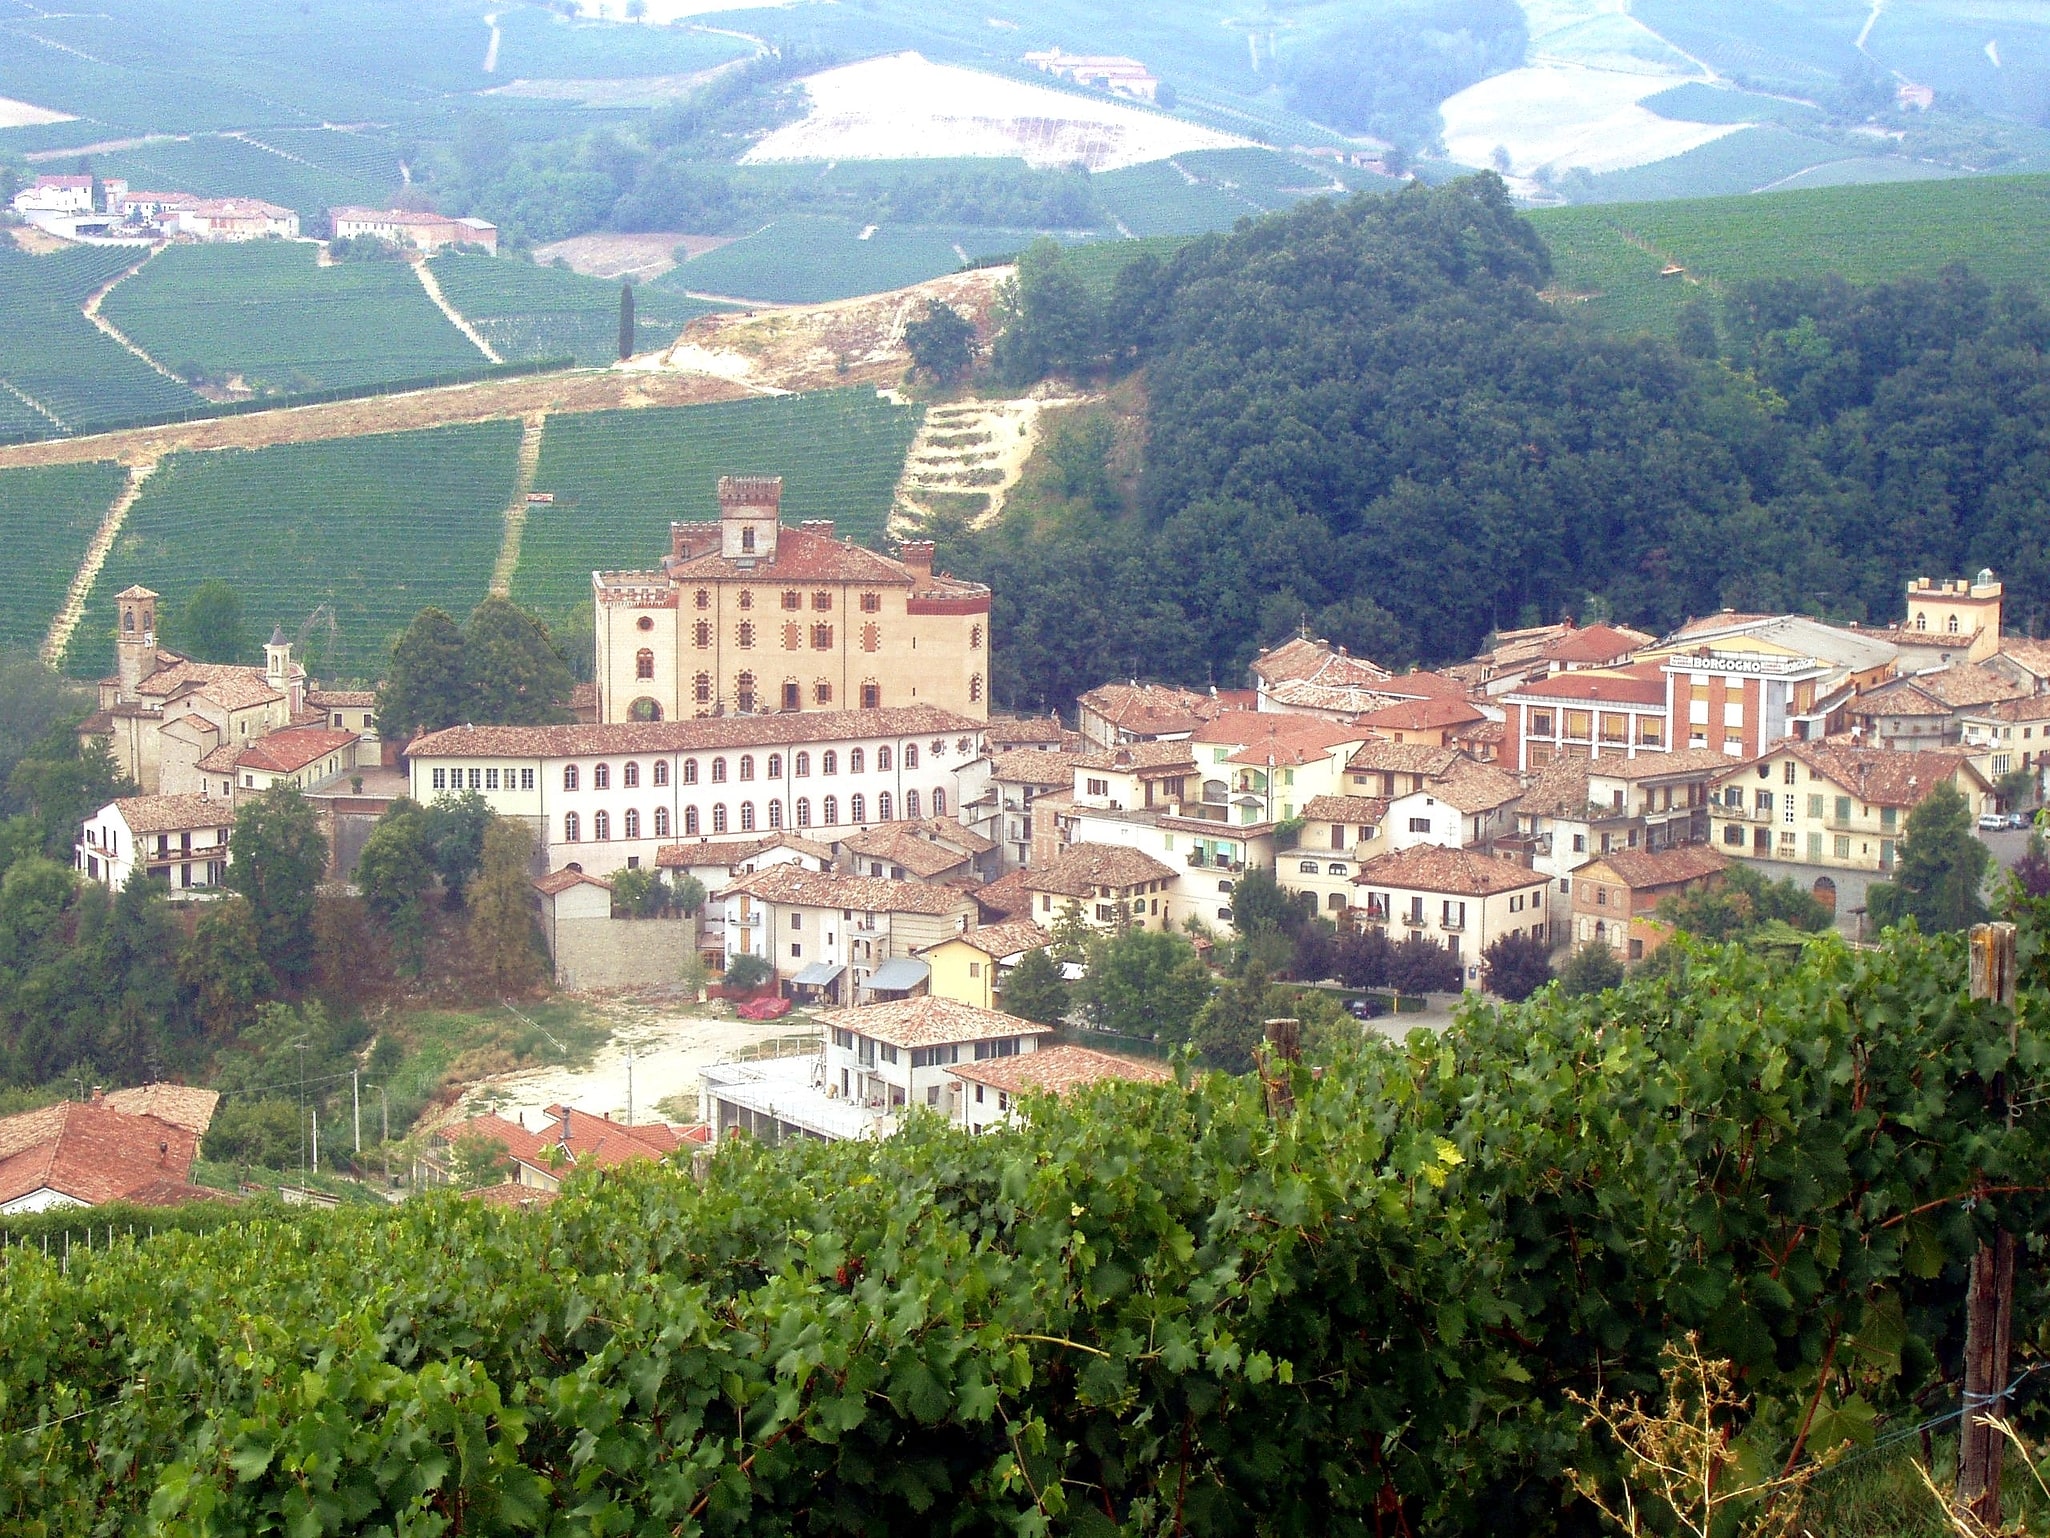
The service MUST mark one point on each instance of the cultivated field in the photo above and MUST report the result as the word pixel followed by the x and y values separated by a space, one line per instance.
pixel 806 259
pixel 525 311
pixel 308 172
pixel 46 518
pixel 1163 199
pixel 375 527
pixel 620 477
pixel 264 312
pixel 74 377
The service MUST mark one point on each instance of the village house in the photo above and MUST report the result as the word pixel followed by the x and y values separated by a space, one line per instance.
pixel 931 849
pixel 1338 832
pixel 716 862
pixel 1927 710
pixel 1616 895
pixel 746 616
pixel 970 967
pixel 1115 73
pixel 1468 805
pixel 568 1140
pixel 300 756
pixel 1516 657
pixel 2008 735
pixel 134 1145
pixel 991 1091
pixel 611 796
pixel 1259 767
pixel 1391 769
pixel 1459 900
pixel 1587 712
pixel 406 227
pixel 350 710
pixel 1114 715
pixel 2025 660
pixel 1018 778
pixel 183 839
pixel 216 220
pixel 1133 776
pixel 1946 622
pixel 840 939
pixel 55 195
pixel 1306 676
pixel 1110 887
pixel 1440 721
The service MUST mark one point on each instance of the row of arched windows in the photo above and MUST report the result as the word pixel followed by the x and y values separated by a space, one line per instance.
pixel 800 767
pixel 629 775
pixel 829 806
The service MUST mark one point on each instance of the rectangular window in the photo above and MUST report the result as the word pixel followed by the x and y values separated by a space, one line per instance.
pixel 1579 725
pixel 1420 825
pixel 441 779
pixel 889 1053
pixel 1843 846
pixel 526 779
pixel 1815 846
pixel 1843 808
pixel 1762 800
pixel 1615 727
pixel 491 779
pixel 1651 731
pixel 1098 787
pixel 476 779
pixel 1815 807
pixel 1888 816
pixel 1540 723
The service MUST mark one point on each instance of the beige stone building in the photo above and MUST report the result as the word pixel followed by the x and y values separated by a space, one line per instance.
pixel 1111 887
pixel 747 616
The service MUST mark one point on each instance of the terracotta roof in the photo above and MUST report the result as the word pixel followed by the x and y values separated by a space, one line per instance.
pixel 1130 757
pixel 1970 683
pixel 288 752
pixel 1154 708
pixel 173 814
pixel 343 699
pixel 2029 652
pixel 1081 868
pixel 863 894
pixel 92 1153
pixel 1559 790
pixel 1033 766
pixel 1481 731
pixel 1059 1068
pixel 1434 868
pixel 1421 684
pixel 928 1022
pixel 1879 776
pixel 1641 869
pixel 802 555
pixel 1430 714
pixel 1353 811
pixel 510 1193
pixel 925 847
pixel 1595 643
pixel 1642 683
pixel 773 730
pixel 1006 896
pixel 1000 940
pixel 593 1141
pixel 229 686
pixel 182 1105
pixel 2034 708
pixel 1236 728
pixel 1344 699
pixel 1303 659
pixel 736 852
pixel 1025 732
pixel 556 882
pixel 1473 787
pixel 1652 766
pixel 222 759
pixel 1900 697
pixel 1404 758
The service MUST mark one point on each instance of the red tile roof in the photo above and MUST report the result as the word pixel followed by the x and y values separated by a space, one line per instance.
pixel 1641 683
pixel 1351 811
pixel 1645 869
pixel 1304 660
pixel 173 814
pixel 783 727
pixel 736 852
pixel 802 555
pixel 288 752
pixel 1132 757
pixel 92 1154
pixel 1152 708
pixel 556 882
pixel 182 1105
pixel 1595 643
pixel 1080 869
pixel 787 884
pixel 1404 758
pixel 1006 896
pixel 929 1022
pixel 1880 776
pixel 592 1141
pixel 1057 1069
pixel 1000 940
pixel 1033 766
pixel 1434 868
pixel 1431 714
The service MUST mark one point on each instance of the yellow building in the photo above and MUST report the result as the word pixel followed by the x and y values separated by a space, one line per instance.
pixel 746 616
pixel 969 968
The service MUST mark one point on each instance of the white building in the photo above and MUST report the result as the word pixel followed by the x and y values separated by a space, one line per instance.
pixel 611 796
pixel 56 195
pixel 1456 899
pixel 184 839
pixel 840 939
pixel 407 227
pixel 990 1090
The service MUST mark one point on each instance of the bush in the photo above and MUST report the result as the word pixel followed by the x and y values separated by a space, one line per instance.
pixel 747 972
pixel 1419 965
pixel 267 1132
pixel 1592 968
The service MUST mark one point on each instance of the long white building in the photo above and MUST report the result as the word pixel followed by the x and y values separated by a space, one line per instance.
pixel 611 796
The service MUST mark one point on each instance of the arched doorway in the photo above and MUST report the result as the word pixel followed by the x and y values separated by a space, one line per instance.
pixel 1825 893
pixel 645 709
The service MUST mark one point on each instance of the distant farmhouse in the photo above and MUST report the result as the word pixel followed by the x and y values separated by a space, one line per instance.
pixel 67 206
pixel 1106 72
pixel 420 231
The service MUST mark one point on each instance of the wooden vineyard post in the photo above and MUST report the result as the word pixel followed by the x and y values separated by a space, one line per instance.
pixel 1989 1300
pixel 1284 1049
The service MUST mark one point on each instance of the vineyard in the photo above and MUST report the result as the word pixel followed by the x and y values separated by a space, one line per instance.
pixel 525 311
pixel 620 477
pixel 376 527
pixel 1160 199
pixel 265 312
pixel 46 518
pixel 805 259
pixel 1998 226
pixel 1373 1304
pixel 542 43
pixel 52 354
pixel 342 168
pixel 1748 160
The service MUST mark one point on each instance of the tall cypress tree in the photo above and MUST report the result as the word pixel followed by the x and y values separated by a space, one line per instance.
pixel 514 674
pixel 626 320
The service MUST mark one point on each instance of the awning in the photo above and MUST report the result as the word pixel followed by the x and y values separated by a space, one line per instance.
pixel 820 974
pixel 898 976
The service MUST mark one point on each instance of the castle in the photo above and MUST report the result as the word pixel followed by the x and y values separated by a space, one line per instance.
pixel 748 616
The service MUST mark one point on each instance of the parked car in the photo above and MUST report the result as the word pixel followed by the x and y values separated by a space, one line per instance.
pixel 1991 822
pixel 2022 821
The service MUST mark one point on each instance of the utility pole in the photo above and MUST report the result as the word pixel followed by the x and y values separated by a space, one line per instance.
pixel 316 1137
pixel 1989 1300
pixel 384 1114
pixel 1282 1049
pixel 629 1084
pixel 356 1105
pixel 301 1046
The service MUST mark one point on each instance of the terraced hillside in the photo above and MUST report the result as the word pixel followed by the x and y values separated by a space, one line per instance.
pixel 58 373
pixel 1610 258
pixel 266 313
pixel 525 311
pixel 620 477
pixel 47 517
pixel 375 527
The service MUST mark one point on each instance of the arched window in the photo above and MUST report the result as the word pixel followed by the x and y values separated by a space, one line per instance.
pixel 883 807
pixel 661 822
pixel 690 822
pixel 829 762
pixel 804 811
pixel 719 817
pixel 974 686
pixel 792 599
pixel 1951 624
pixel 775 814
pixel 747 817
pixel 703 599
pixel 883 763
pixel 856 761
pixel 910 755
pixel 857 808
pixel 128 620
pixel 747 633
pixel 747 597
pixel 661 771
pixel 571 828
pixel 775 766
pixel 630 775
pixel 718 771
pixel 601 777
pixel 747 766
pixel 1921 622
pixel 630 823
pixel 601 826
pixel 939 803
pixel 802 765
pixel 701 689
pixel 644 663
pixel 822 693
pixel 831 807
pixel 793 637
pixel 701 633
pixel 569 776
pixel 822 602
pixel 645 709
pixel 871 638
pixel 910 803
pixel 974 637
pixel 690 771
pixel 822 638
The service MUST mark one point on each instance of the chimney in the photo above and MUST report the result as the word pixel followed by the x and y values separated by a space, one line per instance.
pixel 918 555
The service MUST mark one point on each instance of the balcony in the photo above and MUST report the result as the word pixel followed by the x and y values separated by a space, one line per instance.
pixel 1415 920
pixel 746 920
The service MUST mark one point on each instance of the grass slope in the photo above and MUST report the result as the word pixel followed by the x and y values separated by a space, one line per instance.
pixel 1999 226
pixel 379 527
pixel 621 477
pixel 527 311
pixel 264 310
pixel 47 517
pixel 51 352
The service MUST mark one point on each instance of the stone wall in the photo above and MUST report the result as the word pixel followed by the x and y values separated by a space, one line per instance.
pixel 602 953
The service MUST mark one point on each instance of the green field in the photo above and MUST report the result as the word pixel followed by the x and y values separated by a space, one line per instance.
pixel 1159 199
pixel 52 354
pixel 527 311
pixel 620 477
pixel 377 527
pixel 1745 161
pixel 47 516
pixel 308 172
pixel 539 43
pixel 264 311
pixel 1999 226
pixel 808 259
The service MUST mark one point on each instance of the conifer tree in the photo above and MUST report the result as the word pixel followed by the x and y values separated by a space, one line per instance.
pixel 626 321
pixel 423 689
pixel 513 674
pixel 505 941
pixel 277 856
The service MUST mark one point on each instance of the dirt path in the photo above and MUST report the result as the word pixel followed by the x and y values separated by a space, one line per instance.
pixel 455 317
pixel 108 328
pixel 516 511
pixel 31 402
pixel 491 49
pixel 73 610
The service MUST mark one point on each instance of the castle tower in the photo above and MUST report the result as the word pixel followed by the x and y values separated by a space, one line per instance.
pixel 135 639
pixel 748 509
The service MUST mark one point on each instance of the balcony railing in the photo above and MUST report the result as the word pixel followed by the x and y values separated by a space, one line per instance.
pixel 1415 920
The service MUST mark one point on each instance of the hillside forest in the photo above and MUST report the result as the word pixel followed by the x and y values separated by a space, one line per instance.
pixel 1364 417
